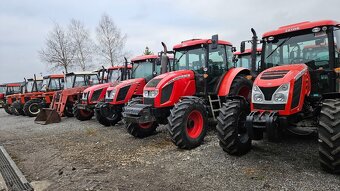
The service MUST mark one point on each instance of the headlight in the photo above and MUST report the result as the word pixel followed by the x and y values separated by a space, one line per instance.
pixel 257 95
pixel 150 94
pixel 85 95
pixel 110 94
pixel 281 94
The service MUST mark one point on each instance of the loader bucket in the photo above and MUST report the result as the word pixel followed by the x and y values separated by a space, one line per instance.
pixel 47 116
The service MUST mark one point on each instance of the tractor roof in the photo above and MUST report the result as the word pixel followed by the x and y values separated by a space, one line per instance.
pixel 143 57
pixel 54 76
pixel 300 26
pixel 37 78
pixel 14 85
pixel 194 42
pixel 247 51
pixel 119 67
pixel 81 73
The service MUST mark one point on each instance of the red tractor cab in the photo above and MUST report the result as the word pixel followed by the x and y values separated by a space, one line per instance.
pixel 84 110
pixel 12 89
pixel 8 89
pixel 144 68
pixel 243 59
pixel 203 75
pixel 63 101
pixel 297 91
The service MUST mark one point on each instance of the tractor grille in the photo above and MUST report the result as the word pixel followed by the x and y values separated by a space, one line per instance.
pixel 269 106
pixel 149 101
pixel 271 75
pixel 166 92
pixel 296 93
pixel 122 93
pixel 268 92
pixel 96 95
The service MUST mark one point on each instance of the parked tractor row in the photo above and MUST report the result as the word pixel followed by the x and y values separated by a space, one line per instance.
pixel 289 85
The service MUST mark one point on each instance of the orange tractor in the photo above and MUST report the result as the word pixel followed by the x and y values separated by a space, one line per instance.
pixel 63 101
pixel 298 91
pixel 29 103
pixel 203 75
pixel 32 86
pixel 84 108
pixel 8 89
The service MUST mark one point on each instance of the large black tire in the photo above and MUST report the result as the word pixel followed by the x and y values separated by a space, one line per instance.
pixel 32 107
pixel 82 115
pixel 329 135
pixel 8 109
pixel 140 130
pixel 188 123
pixel 230 128
pixel 16 108
pixel 241 86
pixel 68 111
pixel 108 116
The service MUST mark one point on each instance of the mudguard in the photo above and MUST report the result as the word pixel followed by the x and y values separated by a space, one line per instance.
pixel 228 80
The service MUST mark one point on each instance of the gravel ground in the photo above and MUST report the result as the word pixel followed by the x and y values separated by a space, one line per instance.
pixel 75 155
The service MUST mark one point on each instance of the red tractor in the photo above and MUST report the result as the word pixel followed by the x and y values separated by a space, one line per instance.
pixel 144 68
pixel 298 91
pixel 6 90
pixel 84 110
pixel 32 86
pixel 63 101
pixel 28 104
pixel 203 75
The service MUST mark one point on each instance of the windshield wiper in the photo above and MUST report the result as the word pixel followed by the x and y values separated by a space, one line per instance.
pixel 182 56
pixel 282 43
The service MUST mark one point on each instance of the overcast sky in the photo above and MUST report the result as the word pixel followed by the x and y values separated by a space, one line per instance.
pixel 24 24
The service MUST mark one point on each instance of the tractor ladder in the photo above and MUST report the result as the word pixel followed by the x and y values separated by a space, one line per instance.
pixel 215 105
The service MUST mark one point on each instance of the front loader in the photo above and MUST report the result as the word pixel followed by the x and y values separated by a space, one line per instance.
pixel 203 74
pixel 298 91
pixel 144 68
pixel 63 101
pixel 84 109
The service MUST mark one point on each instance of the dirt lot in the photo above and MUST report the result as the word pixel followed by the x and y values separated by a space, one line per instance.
pixel 75 155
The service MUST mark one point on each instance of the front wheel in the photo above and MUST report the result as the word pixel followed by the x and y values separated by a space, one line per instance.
pixel 32 107
pixel 231 131
pixel 107 115
pixel 141 130
pixel 16 108
pixel 7 109
pixel 68 111
pixel 188 123
pixel 82 115
pixel 329 136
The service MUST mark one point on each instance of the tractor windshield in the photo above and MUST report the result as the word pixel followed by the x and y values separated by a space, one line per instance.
pixel 244 60
pixel 192 58
pixel 311 49
pixel 29 86
pixel 142 70
pixel 69 80
pixel 114 75
pixel 44 84
pixel 2 89
pixel 13 89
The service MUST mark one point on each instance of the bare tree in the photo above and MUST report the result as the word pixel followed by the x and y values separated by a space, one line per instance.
pixel 59 52
pixel 82 44
pixel 111 41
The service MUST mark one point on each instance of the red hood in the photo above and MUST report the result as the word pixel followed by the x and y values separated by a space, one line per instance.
pixel 98 87
pixel 125 83
pixel 279 75
pixel 169 77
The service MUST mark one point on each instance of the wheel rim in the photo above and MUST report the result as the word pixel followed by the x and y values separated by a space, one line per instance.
pixel 84 113
pixel 242 133
pixel 244 92
pixel 145 125
pixel 194 124
pixel 34 108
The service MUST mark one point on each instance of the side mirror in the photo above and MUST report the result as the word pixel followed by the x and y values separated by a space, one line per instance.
pixel 214 41
pixel 154 73
pixel 235 59
pixel 233 49
pixel 243 46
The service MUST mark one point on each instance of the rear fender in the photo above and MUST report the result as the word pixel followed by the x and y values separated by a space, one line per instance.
pixel 228 79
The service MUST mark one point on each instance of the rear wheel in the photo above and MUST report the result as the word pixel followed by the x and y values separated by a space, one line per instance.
pixel 231 131
pixel 188 123
pixel 16 108
pixel 82 115
pixel 32 107
pixel 329 135
pixel 140 130
pixel 7 109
